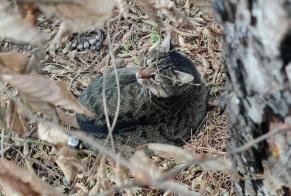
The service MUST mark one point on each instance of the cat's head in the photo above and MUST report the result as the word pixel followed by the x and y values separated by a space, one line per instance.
pixel 165 73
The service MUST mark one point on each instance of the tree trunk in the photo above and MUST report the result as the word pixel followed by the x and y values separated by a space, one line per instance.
pixel 257 55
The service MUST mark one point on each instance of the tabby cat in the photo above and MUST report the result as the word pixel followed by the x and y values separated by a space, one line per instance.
pixel 163 101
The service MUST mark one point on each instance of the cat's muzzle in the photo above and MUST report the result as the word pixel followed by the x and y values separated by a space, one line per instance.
pixel 145 81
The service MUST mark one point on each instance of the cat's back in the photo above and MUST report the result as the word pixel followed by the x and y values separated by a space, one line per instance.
pixel 92 98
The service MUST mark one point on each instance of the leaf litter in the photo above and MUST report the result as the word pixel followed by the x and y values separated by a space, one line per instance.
pixel 202 44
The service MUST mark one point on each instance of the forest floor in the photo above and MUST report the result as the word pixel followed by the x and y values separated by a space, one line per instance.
pixel 133 37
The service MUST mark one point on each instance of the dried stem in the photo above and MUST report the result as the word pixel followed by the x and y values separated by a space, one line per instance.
pixel 109 126
pixel 2 143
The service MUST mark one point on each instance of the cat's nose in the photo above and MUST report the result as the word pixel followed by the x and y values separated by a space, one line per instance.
pixel 137 75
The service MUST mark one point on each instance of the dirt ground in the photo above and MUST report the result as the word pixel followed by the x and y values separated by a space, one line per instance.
pixel 133 36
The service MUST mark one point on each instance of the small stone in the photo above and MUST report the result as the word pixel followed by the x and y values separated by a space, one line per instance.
pixel 98 37
pixel 93 47
pixel 74 45
pixel 92 41
pixel 80 47
pixel 97 44
pixel 73 141
pixel 86 44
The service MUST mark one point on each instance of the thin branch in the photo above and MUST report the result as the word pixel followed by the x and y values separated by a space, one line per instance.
pixel 152 181
pixel 2 143
pixel 111 127
pixel 115 190
pixel 178 169
pixel 257 140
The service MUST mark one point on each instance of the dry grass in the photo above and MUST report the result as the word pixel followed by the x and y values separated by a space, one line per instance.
pixel 133 37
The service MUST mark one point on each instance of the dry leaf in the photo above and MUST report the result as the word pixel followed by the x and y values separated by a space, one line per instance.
pixel 13 26
pixel 179 154
pixel 52 134
pixel 140 160
pixel 148 7
pixel 68 119
pixel 180 188
pixel 204 5
pixel 13 62
pixel 39 88
pixel 78 16
pixel 170 152
pixel 13 121
pixel 68 161
pixel 21 182
pixel 151 177
pixel 28 12
pixel 218 164
pixel 3 113
pixel 166 7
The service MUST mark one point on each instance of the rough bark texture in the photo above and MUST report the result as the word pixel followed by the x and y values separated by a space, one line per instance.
pixel 257 54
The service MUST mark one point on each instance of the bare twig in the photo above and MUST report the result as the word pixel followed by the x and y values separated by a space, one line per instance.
pixel 2 143
pixel 111 127
pixel 156 182
pixel 119 188
pixel 257 140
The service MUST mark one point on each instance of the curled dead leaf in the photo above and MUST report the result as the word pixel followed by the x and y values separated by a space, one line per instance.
pixel 166 7
pixel 16 62
pixel 179 154
pixel 13 26
pixel 3 113
pixel 19 181
pixel 68 161
pixel 68 119
pixel 13 61
pixel 39 88
pixel 77 16
pixel 28 11
pixel 140 160
pixel 52 134
pixel 170 152
pixel 218 164
pixel 14 120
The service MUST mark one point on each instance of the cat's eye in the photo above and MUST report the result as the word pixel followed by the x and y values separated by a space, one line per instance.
pixel 147 62
pixel 155 77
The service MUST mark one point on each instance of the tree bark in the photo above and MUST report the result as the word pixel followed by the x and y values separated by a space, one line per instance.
pixel 257 55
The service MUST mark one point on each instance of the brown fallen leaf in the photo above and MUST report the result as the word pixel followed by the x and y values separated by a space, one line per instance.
pixel 218 164
pixel 151 176
pixel 204 5
pixel 170 151
pixel 13 26
pixel 13 62
pixel 77 16
pixel 3 113
pixel 68 161
pixel 167 7
pixel 67 119
pixel 179 154
pixel 52 134
pixel 13 119
pixel 39 88
pixel 140 160
pixel 19 181
pixel 20 62
pixel 28 11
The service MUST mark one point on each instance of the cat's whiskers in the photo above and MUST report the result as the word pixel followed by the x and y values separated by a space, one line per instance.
pixel 175 80
pixel 143 96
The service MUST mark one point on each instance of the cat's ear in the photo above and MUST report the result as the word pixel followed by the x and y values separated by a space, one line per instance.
pixel 184 77
pixel 166 44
